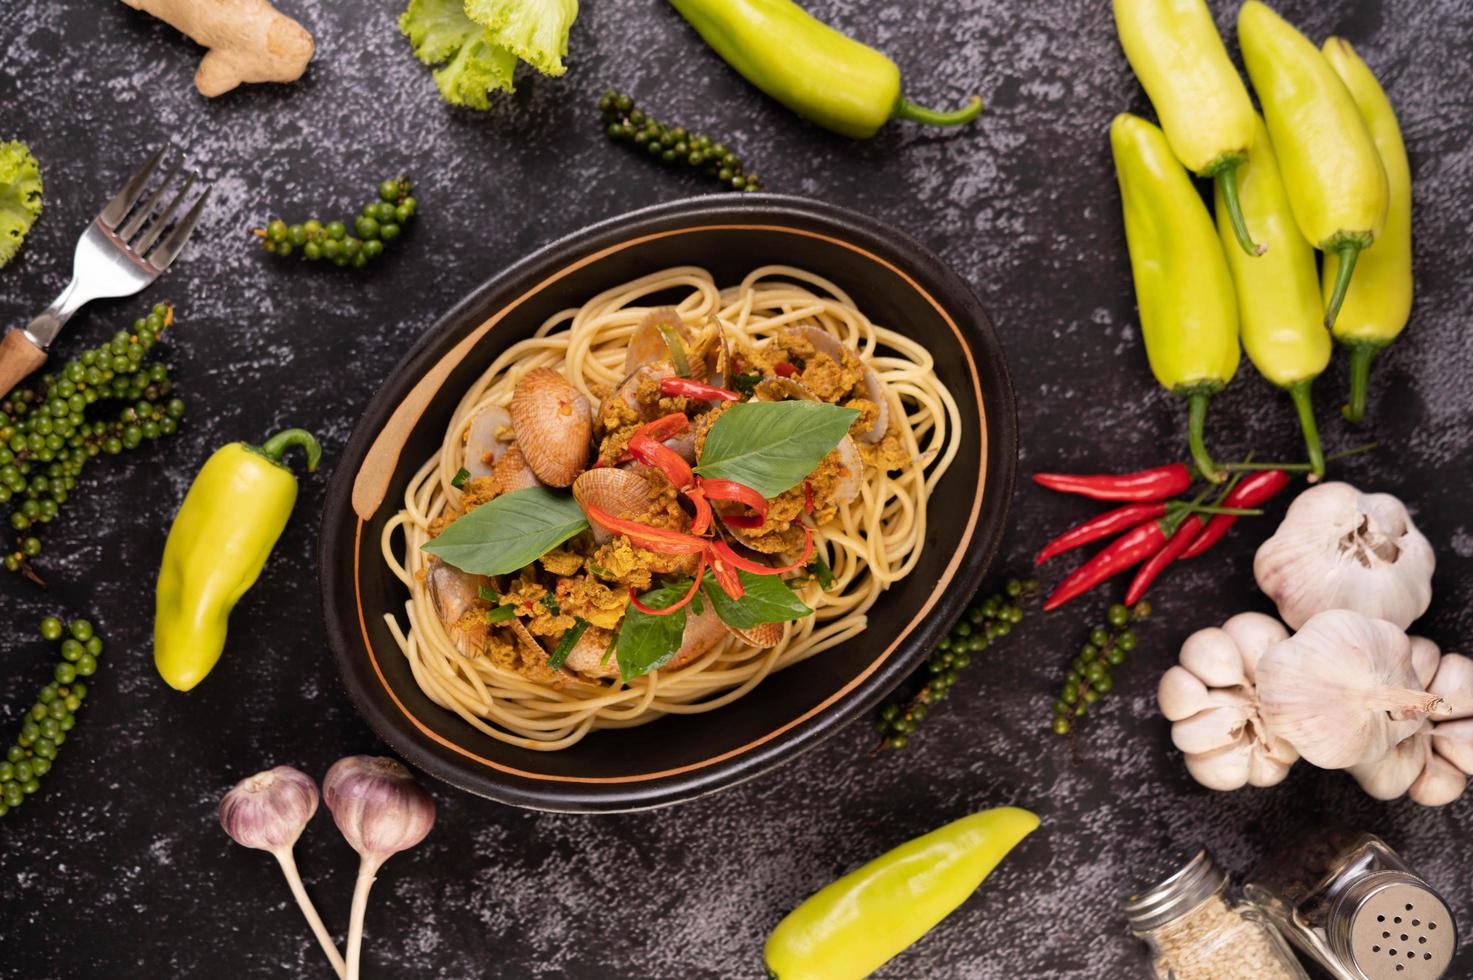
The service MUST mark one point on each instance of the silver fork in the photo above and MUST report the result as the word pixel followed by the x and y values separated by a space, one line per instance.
pixel 119 254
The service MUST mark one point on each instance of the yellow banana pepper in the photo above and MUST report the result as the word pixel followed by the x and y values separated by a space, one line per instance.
pixel 1204 108
pixel 855 925
pixel 1379 300
pixel 1279 309
pixel 1189 317
pixel 230 520
pixel 1336 183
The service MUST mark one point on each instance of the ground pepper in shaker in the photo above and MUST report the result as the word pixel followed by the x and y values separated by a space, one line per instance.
pixel 1197 929
pixel 1351 904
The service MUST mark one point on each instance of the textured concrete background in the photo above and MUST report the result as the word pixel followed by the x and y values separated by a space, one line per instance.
pixel 120 869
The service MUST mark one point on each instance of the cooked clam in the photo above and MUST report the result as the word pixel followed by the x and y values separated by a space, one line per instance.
pixel 763 637
pixel 513 473
pixel 648 344
pixel 826 343
pixel 621 493
pixel 701 634
pixel 553 422
pixel 482 448
pixel 587 656
pixel 454 594
pixel 848 481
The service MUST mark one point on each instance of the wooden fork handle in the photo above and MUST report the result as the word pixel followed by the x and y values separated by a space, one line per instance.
pixel 18 358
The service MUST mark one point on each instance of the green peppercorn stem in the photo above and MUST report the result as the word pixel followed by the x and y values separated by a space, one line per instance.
pixel 381 220
pixel 674 145
pixel 109 399
pixel 1090 676
pixel 986 621
pixel 44 727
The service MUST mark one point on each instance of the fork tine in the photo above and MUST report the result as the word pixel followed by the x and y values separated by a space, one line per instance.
pixel 132 190
pixel 156 227
pixel 170 247
pixel 146 208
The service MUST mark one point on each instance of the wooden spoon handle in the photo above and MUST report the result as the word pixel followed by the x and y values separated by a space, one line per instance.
pixel 18 358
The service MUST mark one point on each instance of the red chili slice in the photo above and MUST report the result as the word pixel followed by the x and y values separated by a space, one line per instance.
pixel 727 577
pixel 679 603
pixel 686 388
pixel 807 497
pixel 664 427
pixel 745 522
pixel 737 493
pixel 702 522
pixel 724 551
pixel 661 540
pixel 784 370
pixel 651 452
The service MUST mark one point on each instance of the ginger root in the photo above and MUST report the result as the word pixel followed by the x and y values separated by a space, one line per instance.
pixel 249 40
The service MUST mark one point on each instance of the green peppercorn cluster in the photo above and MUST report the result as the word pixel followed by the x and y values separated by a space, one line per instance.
pixel 674 145
pixel 44 727
pixel 1089 677
pixel 381 221
pixel 985 622
pixel 47 436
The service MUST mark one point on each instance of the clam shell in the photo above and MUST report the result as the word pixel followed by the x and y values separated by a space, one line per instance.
pixel 482 448
pixel 763 637
pixel 587 655
pixel 553 423
pixel 513 473
pixel 827 343
pixel 847 486
pixel 452 592
pixel 701 634
pixel 622 493
pixel 647 344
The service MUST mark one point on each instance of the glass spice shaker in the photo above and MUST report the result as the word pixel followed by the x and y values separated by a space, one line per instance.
pixel 1197 929
pixel 1354 906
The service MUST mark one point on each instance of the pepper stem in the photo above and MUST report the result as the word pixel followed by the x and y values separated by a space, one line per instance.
pixel 1229 511
pixel 906 109
pixel 275 447
pixel 1299 391
pixel 1227 182
pixel 1196 426
pixel 1361 356
pixel 1348 253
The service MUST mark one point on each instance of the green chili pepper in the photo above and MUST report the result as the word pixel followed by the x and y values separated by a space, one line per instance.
pixel 1204 108
pixel 235 510
pixel 1379 302
pixel 853 926
pixel 1189 317
pixel 1334 176
pixel 809 67
pixel 1278 293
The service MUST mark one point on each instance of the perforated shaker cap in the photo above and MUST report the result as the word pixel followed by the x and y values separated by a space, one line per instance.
pixel 1390 925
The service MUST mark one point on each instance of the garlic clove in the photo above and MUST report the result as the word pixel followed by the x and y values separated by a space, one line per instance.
pixel 1454 681
pixel 1439 784
pixel 1425 657
pixel 1208 730
pixel 1225 768
pixel 1254 633
pixel 1181 694
pixel 1213 656
pixel 1453 740
pixel 1264 769
pixel 1389 777
pixel 1342 690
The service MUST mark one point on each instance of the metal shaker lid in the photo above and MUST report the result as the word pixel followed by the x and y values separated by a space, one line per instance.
pixel 1174 896
pixel 1391 925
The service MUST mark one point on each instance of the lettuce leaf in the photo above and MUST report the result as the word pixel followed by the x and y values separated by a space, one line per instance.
pixel 536 30
pixel 440 32
pixel 20 197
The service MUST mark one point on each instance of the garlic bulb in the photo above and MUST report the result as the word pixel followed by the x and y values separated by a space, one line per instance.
pixel 1209 696
pixel 1339 548
pixel 1343 690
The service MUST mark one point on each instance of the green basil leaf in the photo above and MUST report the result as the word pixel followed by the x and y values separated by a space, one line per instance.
pixel 509 532
pixel 767 599
pixel 567 643
pixel 646 642
pixel 772 446
pixel 822 571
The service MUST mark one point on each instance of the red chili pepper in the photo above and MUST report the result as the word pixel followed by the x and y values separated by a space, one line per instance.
pixel 686 388
pixel 1108 523
pixel 664 427
pixel 662 540
pixel 1252 491
pixel 784 370
pixel 807 497
pixel 724 551
pixel 679 603
pixel 1157 563
pixel 651 452
pixel 727 577
pixel 1132 547
pixel 702 521
pixel 1145 485
pixel 746 522
pixel 738 493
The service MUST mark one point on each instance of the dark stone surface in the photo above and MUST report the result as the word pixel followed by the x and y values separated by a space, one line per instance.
pixel 120 870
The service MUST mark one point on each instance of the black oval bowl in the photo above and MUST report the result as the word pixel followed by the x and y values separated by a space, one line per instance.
pixel 896 282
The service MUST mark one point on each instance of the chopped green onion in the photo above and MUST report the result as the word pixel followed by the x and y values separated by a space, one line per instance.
pixel 549 602
pixel 746 383
pixel 821 571
pixel 567 643
pixel 461 476
pixel 599 570
pixel 488 594
pixel 501 613
pixel 676 347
